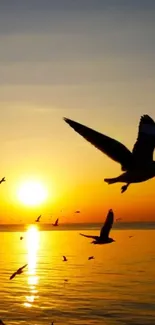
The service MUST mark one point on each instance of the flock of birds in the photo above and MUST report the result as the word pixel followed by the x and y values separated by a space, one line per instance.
pixel 137 166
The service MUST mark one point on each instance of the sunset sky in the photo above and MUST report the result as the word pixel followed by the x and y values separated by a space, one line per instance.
pixel 89 60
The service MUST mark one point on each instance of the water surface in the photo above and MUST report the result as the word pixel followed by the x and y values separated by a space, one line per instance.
pixel 116 288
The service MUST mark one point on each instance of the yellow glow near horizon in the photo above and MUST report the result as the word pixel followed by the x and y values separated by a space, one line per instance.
pixel 32 193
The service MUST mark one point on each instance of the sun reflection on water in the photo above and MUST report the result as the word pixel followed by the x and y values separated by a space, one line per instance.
pixel 32 242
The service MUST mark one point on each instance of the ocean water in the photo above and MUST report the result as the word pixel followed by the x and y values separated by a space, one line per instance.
pixel 116 288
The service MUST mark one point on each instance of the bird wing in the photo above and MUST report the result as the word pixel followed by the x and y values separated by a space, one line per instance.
pixel 64 257
pixel 107 225
pixel 111 147
pixel 56 223
pixel 23 267
pixel 13 275
pixel 93 237
pixel 145 144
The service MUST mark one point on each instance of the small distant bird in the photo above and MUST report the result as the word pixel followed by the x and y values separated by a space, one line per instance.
pixel 65 259
pixel 91 258
pixel 130 236
pixel 118 219
pixel 56 223
pixel 65 280
pixel 38 219
pixel 19 271
pixel 138 165
pixel 77 211
pixel 1 322
pixel 21 238
pixel 52 323
pixel 2 180
pixel 105 230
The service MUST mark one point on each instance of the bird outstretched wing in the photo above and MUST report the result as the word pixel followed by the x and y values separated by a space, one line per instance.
pixel 23 267
pixel 111 147
pixel 56 222
pixel 93 237
pixel 145 144
pixel 107 225
pixel 13 275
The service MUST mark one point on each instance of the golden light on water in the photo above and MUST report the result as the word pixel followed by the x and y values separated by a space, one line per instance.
pixel 32 193
pixel 32 242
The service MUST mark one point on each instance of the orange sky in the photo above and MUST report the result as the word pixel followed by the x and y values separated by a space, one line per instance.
pixel 93 64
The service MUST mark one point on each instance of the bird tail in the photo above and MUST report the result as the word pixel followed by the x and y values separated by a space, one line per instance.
pixel 111 180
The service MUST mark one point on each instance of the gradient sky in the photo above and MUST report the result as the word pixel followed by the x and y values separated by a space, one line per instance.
pixel 92 61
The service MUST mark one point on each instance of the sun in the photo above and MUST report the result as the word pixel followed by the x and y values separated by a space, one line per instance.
pixel 32 193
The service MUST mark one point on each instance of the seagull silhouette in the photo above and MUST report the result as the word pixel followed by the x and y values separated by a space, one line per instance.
pixel 2 180
pixel 77 211
pixel 38 219
pixel 138 165
pixel 19 271
pixel 65 259
pixel 21 238
pixel 56 223
pixel 90 258
pixel 105 230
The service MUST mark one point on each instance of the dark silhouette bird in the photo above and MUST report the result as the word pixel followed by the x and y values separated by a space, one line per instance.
pixel 138 165
pixel 38 219
pixel 77 211
pixel 105 230
pixel 21 238
pixel 2 180
pixel 130 236
pixel 90 258
pixel 65 280
pixel 19 271
pixel 1 322
pixel 56 223
pixel 65 259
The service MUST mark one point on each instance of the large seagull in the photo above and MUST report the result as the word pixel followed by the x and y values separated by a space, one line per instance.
pixel 138 165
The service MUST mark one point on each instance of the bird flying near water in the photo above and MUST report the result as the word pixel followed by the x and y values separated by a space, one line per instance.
pixel 90 258
pixel 38 219
pixel 2 180
pixel 65 259
pixel 19 271
pixel 105 230
pixel 56 223
pixel 138 165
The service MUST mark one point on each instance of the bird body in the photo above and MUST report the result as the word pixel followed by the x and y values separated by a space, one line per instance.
pixel 19 271
pixel 91 258
pixel 65 259
pixel 105 230
pixel 138 165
